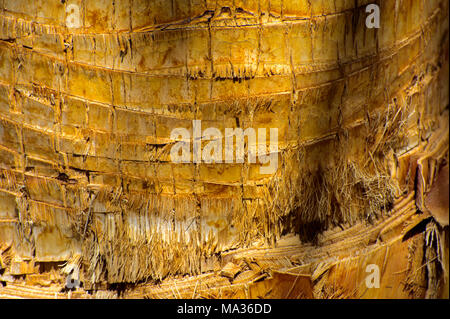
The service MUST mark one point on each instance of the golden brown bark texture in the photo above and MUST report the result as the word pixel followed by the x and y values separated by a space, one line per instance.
pixel 86 178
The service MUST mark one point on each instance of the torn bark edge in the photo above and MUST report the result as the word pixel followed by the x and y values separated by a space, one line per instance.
pixel 434 255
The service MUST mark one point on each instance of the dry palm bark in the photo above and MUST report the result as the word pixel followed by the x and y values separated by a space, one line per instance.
pixel 86 179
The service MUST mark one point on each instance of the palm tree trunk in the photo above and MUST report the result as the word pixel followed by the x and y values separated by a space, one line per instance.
pixel 90 93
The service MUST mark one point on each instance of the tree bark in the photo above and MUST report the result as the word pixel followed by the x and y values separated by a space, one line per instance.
pixel 91 91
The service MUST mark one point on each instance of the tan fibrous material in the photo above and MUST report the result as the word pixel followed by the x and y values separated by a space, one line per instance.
pixel 86 116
